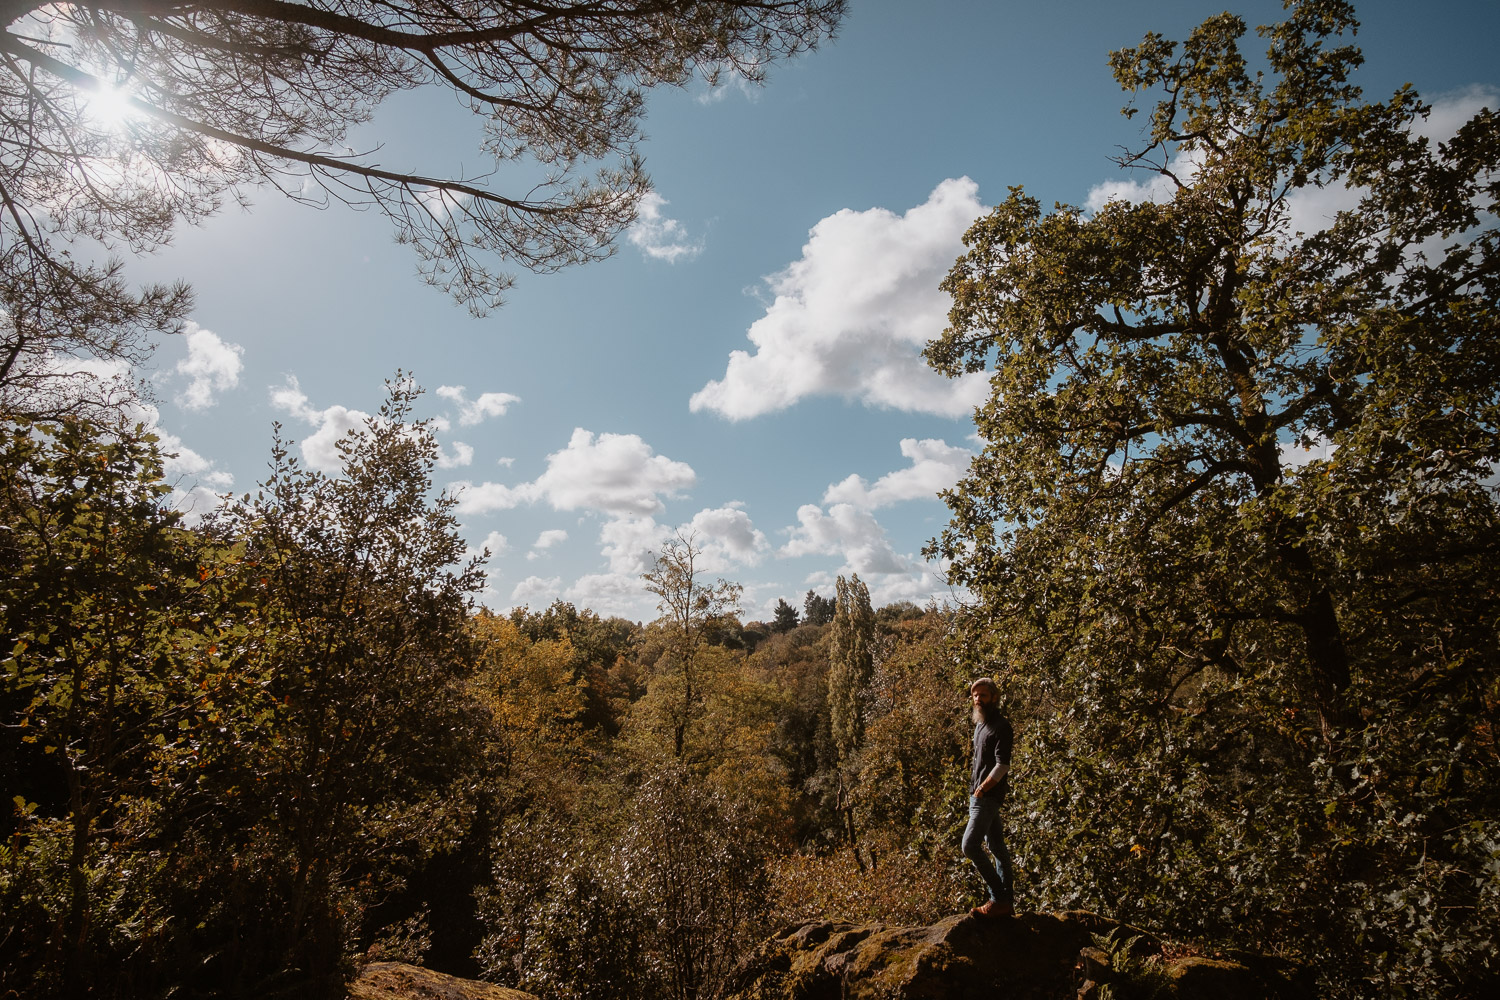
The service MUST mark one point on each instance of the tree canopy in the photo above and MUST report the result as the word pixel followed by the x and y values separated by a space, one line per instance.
pixel 1235 515
pixel 119 119
pixel 1160 362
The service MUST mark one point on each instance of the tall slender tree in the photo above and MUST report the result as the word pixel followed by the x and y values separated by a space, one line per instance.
pixel 851 663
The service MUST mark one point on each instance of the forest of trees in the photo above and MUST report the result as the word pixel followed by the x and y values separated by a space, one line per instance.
pixel 244 753
pixel 1256 699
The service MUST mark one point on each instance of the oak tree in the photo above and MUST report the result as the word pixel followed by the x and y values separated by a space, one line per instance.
pixel 1234 520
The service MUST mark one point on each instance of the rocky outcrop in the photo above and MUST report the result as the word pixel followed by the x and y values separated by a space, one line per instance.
pixel 1066 955
pixel 398 981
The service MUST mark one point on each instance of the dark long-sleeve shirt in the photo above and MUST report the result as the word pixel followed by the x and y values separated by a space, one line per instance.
pixel 993 742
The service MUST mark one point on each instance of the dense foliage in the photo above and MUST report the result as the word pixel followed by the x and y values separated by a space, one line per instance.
pixel 1265 681
pixel 1255 689
pixel 242 754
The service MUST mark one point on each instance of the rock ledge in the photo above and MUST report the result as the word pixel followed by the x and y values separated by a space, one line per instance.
pixel 962 957
pixel 398 981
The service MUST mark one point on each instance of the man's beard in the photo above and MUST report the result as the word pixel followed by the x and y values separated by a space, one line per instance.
pixel 983 713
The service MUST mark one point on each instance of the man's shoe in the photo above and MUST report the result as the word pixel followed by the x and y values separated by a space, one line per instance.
pixel 994 909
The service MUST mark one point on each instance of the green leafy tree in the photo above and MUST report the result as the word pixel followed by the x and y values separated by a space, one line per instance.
pixel 224 744
pixel 694 868
pixel 797 664
pixel 851 662
pixel 691 611
pixel 656 903
pixel 534 702
pixel 102 589
pixel 786 616
pixel 817 610
pixel 360 594
pixel 603 649
pixel 916 743
pixel 1256 661
pixel 558 914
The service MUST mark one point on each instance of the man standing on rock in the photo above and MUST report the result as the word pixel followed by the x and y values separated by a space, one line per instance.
pixel 993 740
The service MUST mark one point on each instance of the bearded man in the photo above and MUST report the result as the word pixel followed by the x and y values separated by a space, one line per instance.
pixel 993 740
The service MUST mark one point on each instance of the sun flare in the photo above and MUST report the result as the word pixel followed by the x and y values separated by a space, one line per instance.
pixel 109 107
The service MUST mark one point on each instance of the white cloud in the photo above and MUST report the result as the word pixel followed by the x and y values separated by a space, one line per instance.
pixel 549 538
pixel 198 485
pixel 463 454
pixel 546 540
pixel 819 579
pixel 292 400
pixel 1153 186
pixel 536 591
pixel 616 474
pixel 848 528
pixel 1313 209
pixel 441 203
pixel 489 404
pixel 197 502
pixel 726 537
pixel 727 79
pixel 1453 110
pixel 848 531
pixel 855 535
pixel 495 542
pixel 851 317
pixel 603 593
pixel 630 544
pixel 87 386
pixel 613 594
pixel 919 587
pixel 212 364
pixel 935 465
pixel 659 237
pixel 181 461
pixel 1294 456
pixel 486 498
pixel 319 449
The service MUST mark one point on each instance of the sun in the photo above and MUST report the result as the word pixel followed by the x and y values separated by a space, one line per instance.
pixel 109 107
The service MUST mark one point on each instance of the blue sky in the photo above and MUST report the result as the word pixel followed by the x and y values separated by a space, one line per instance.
pixel 746 365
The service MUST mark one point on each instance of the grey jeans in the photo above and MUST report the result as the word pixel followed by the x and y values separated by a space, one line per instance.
pixel 984 825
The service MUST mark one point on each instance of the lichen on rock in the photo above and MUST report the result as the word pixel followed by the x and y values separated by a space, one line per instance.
pixel 961 957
